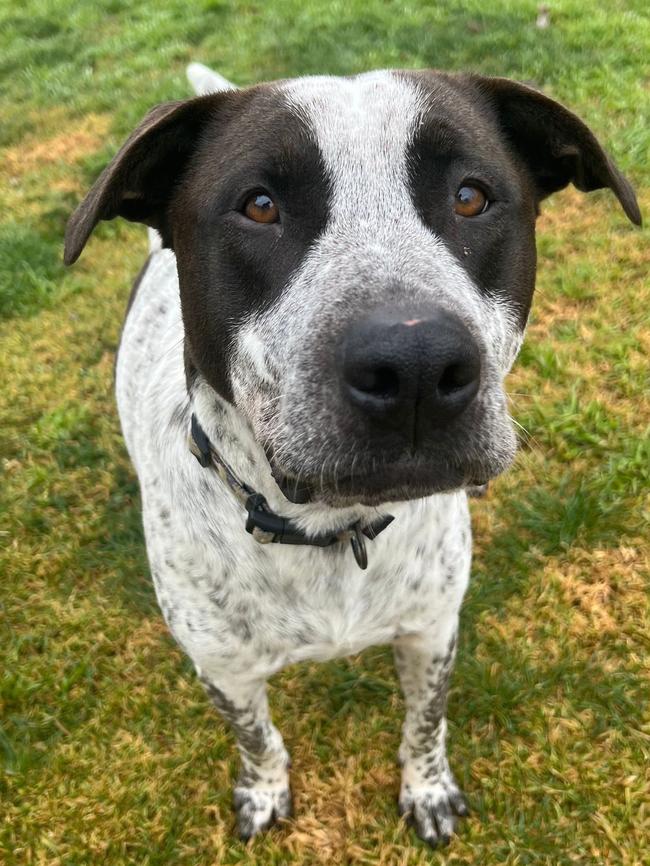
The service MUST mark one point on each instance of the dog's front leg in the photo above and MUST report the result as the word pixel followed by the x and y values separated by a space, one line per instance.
pixel 262 793
pixel 429 794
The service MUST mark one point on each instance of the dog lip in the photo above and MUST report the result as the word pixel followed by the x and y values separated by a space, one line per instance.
pixel 361 488
pixel 290 486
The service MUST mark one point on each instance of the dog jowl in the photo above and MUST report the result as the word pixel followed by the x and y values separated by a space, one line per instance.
pixel 340 283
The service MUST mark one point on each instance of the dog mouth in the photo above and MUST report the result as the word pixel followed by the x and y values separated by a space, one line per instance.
pixel 394 482
pixel 375 473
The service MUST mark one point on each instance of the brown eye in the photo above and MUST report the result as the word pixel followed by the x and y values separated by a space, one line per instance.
pixel 261 208
pixel 470 201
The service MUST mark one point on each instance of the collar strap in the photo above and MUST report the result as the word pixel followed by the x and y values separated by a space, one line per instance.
pixel 265 525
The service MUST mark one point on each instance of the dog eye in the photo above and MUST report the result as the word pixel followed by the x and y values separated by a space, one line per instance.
pixel 261 208
pixel 470 201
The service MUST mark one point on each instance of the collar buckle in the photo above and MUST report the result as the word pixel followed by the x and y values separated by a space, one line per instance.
pixel 265 525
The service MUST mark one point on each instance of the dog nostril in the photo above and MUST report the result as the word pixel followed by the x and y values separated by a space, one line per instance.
pixel 381 382
pixel 455 377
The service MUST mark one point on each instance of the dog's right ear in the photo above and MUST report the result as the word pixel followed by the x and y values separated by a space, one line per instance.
pixel 138 182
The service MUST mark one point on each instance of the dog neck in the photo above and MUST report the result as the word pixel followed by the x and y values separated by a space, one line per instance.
pixel 232 436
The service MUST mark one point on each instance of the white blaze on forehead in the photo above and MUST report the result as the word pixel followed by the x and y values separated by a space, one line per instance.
pixel 363 127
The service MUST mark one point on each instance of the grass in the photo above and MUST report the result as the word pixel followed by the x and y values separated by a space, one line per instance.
pixel 109 750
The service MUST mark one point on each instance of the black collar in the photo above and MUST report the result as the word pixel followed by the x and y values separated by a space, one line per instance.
pixel 269 528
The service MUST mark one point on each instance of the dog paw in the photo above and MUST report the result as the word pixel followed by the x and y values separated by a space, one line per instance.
pixel 258 808
pixel 432 809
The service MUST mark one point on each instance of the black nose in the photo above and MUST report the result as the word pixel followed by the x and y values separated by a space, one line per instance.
pixel 407 368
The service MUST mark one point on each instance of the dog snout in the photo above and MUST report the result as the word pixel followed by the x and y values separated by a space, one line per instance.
pixel 410 369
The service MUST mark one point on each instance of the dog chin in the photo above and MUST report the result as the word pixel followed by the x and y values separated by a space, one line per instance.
pixel 393 483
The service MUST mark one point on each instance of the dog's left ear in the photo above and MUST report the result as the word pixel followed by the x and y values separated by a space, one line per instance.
pixel 555 144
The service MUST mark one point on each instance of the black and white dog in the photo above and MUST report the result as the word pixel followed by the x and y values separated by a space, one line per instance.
pixel 339 282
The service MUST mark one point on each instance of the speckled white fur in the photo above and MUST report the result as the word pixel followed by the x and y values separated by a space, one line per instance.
pixel 241 610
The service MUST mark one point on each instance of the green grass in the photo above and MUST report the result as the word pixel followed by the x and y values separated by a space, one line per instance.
pixel 110 753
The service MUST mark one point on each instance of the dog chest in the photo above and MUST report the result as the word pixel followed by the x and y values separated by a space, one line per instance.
pixel 239 603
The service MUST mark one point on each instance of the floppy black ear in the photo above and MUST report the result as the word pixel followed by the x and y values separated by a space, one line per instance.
pixel 138 182
pixel 555 144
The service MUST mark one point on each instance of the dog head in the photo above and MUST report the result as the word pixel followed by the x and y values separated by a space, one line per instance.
pixel 356 259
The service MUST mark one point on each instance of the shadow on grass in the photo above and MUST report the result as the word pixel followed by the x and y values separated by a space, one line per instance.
pixel 122 545
pixel 30 271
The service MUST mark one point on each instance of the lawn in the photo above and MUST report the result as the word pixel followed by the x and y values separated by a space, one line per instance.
pixel 109 751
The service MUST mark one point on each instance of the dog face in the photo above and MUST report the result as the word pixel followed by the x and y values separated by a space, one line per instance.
pixel 356 261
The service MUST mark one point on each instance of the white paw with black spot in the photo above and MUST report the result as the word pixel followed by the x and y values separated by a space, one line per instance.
pixel 259 807
pixel 433 809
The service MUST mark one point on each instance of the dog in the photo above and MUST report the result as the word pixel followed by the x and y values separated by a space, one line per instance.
pixel 310 375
